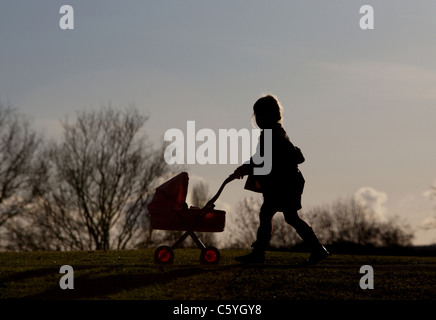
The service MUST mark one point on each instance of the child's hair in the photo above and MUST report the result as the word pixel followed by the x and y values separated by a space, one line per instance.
pixel 268 108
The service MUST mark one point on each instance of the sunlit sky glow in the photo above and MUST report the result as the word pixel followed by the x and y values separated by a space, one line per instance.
pixel 361 104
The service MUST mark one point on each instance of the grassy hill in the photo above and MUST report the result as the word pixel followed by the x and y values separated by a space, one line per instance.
pixel 133 275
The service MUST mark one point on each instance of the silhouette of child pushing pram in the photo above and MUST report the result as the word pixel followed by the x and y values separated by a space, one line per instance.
pixel 281 188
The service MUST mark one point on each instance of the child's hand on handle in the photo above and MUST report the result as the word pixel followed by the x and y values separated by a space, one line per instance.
pixel 240 172
pixel 233 176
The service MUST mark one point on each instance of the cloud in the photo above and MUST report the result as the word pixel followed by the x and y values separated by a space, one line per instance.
pixel 373 201
pixel 429 223
pixel 431 193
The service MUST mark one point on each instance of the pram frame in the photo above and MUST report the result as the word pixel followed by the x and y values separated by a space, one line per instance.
pixel 194 237
pixel 208 255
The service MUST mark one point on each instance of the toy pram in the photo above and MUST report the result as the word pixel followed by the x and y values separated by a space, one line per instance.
pixel 169 211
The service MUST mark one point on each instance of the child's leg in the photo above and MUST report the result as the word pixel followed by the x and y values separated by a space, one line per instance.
pixel 303 229
pixel 263 236
pixel 264 231
pixel 308 235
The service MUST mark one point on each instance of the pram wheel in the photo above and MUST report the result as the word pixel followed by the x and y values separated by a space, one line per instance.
pixel 210 255
pixel 164 255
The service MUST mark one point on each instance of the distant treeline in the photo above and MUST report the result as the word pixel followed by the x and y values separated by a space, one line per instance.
pixel 89 189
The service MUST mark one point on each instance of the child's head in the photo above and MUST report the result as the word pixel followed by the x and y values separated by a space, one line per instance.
pixel 267 112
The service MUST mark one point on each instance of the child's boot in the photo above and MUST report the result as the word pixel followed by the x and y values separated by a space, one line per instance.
pixel 318 252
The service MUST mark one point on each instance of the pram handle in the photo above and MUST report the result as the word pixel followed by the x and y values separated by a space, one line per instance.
pixel 210 203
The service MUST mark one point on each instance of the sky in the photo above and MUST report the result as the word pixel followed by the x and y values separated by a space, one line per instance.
pixel 361 104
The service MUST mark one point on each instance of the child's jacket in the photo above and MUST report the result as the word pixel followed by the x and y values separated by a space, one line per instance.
pixel 283 186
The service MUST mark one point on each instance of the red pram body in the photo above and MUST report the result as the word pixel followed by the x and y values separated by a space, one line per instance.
pixel 169 211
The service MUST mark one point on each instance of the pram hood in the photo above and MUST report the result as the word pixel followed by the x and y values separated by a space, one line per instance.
pixel 169 211
pixel 171 195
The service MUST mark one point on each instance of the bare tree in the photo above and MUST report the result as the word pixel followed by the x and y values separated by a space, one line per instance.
pixel 18 147
pixel 98 183
pixel 200 194
pixel 244 223
pixel 347 221
pixel 352 223
pixel 284 236
pixel 395 233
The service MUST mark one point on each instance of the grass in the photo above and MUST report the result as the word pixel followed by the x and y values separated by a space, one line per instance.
pixel 132 275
